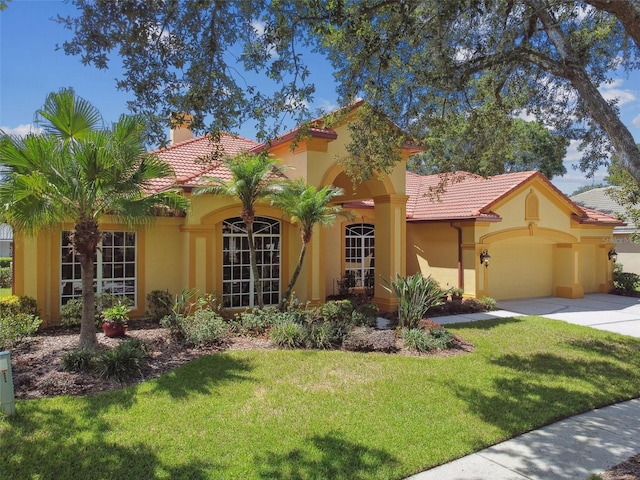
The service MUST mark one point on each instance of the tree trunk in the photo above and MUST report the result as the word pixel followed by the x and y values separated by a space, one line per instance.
pixel 625 11
pixel 88 338
pixel 607 118
pixel 254 264
pixel 85 239
pixel 294 278
pixel 600 111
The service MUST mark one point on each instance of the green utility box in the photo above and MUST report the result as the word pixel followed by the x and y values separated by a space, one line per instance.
pixel 7 398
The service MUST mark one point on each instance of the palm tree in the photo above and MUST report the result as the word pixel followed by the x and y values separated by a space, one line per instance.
pixel 253 177
pixel 307 206
pixel 78 172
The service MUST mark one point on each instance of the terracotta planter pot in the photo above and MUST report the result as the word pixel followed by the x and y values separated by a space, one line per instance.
pixel 114 329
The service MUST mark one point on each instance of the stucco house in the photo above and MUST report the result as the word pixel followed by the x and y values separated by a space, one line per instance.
pixel 628 251
pixel 539 242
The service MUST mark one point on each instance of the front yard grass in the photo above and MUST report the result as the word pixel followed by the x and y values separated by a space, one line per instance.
pixel 325 414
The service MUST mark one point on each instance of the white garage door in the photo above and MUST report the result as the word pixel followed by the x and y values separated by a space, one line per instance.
pixel 520 271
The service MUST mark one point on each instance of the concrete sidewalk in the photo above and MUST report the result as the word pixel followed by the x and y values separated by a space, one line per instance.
pixel 572 448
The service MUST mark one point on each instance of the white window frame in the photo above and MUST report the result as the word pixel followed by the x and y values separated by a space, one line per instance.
pixel 359 252
pixel 110 256
pixel 238 285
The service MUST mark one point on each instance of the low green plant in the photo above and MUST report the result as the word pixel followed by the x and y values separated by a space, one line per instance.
pixel 257 321
pixel 489 303
pixel 5 262
pixel 417 340
pixel 5 277
pixel 442 338
pixel 121 363
pixel 415 295
pixel 78 360
pixel 347 283
pixel 71 312
pixel 118 313
pixel 204 327
pixel 323 336
pixel 159 304
pixel 17 326
pixel 288 335
pixel 427 339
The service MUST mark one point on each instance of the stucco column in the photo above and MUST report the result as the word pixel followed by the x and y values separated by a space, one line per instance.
pixel 390 245
pixel 567 271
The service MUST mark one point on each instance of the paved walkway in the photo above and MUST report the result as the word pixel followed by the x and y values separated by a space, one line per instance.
pixel 572 448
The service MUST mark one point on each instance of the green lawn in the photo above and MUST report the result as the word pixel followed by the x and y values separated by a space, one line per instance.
pixel 5 292
pixel 325 415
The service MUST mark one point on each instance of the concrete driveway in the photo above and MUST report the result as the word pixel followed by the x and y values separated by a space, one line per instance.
pixel 598 310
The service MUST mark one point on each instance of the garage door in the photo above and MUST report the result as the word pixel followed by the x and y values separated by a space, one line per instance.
pixel 520 271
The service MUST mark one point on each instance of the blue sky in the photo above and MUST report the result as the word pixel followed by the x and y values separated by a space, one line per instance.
pixel 30 68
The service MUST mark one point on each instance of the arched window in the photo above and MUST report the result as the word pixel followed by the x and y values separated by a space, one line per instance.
pixel 238 287
pixel 360 252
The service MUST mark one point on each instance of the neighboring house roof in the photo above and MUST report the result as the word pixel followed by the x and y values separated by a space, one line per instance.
pixel 6 233
pixel 598 199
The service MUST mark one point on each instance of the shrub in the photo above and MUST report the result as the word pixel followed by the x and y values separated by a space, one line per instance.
pixel 489 303
pixel 365 314
pixel 335 311
pixel 347 283
pixel 71 312
pixel 204 327
pixel 14 304
pixel 420 340
pixel 5 277
pixel 367 339
pixel 288 335
pixel 122 362
pixel 77 360
pixel 16 326
pixel 159 304
pixel 5 262
pixel 624 282
pixel 416 295
pixel 257 321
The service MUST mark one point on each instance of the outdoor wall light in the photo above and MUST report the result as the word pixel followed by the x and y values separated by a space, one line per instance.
pixel 484 258
pixel 613 255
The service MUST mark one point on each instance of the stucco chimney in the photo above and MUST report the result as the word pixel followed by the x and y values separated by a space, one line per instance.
pixel 180 130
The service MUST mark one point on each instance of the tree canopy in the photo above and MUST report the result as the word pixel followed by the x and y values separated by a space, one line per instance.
pixel 414 61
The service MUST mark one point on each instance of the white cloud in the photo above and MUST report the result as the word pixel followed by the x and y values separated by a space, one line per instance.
pixel 326 106
pixel 21 130
pixel 572 155
pixel 636 121
pixel 613 91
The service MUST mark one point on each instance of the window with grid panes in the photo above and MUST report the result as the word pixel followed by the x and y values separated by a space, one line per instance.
pixel 359 252
pixel 115 267
pixel 238 286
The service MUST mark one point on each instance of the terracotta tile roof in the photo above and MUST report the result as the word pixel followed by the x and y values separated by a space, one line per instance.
pixel 459 195
pixel 469 196
pixel 183 158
